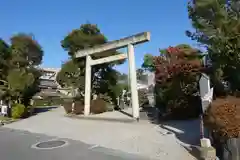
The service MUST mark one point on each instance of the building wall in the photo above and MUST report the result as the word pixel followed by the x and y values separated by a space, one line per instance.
pixel 151 78
pixel 48 78
pixel 49 73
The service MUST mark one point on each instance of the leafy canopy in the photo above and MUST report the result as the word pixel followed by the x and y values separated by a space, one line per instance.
pixel 183 50
pixel 25 50
pixel 19 76
pixel 217 24
pixel 72 74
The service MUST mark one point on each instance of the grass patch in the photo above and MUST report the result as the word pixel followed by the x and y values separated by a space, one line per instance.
pixel 2 118
pixel 7 120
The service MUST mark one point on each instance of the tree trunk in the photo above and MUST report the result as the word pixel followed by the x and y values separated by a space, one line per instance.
pixel 9 109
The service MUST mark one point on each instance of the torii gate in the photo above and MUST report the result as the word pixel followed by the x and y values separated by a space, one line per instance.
pixel 117 44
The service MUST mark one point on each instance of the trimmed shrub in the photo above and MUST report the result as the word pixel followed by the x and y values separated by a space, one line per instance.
pixel 18 111
pixel 223 117
pixel 67 105
pixel 178 101
pixel 105 97
pixel 223 121
pixel 185 107
pixel 98 106
pixel 78 107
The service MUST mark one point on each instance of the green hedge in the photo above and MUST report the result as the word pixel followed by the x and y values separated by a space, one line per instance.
pixel 177 104
pixel 97 106
pixel 18 111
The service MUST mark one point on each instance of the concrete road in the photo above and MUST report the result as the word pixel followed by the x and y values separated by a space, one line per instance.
pixel 142 139
pixel 17 145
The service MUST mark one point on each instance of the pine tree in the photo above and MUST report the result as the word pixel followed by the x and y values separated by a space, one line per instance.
pixel 217 28
pixel 104 77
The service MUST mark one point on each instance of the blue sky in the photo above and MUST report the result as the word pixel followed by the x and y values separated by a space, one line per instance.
pixel 51 20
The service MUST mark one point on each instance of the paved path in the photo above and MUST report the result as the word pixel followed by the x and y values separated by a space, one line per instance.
pixel 142 139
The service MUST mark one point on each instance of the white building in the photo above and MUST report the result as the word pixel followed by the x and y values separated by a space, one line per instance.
pixel 48 78
pixel 150 80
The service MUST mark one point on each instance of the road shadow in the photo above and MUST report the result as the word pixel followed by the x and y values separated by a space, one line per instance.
pixel 187 131
pixel 125 113
pixel 38 110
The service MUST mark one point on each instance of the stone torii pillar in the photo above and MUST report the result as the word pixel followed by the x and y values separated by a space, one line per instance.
pixel 128 42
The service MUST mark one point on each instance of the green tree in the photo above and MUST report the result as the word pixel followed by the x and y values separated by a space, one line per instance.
pixel 217 26
pixel 4 59
pixel 20 77
pixel 26 55
pixel 185 50
pixel 103 75
pixel 70 75
pixel 148 62
pixel 18 81
pixel 25 51
pixel 32 89
pixel 4 66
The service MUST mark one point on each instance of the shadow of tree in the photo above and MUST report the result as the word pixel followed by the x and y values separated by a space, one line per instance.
pixel 125 113
pixel 187 131
pixel 146 113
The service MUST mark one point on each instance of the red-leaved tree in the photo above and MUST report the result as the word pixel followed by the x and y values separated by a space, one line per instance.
pixel 177 71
